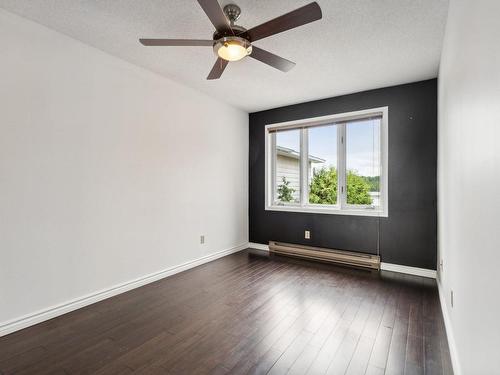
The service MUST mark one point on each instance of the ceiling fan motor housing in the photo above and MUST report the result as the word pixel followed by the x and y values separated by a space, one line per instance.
pixel 230 44
pixel 236 30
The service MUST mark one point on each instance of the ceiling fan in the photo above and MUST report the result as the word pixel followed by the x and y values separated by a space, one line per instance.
pixel 232 42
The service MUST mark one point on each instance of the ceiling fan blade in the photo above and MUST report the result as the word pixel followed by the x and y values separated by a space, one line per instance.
pixel 218 68
pixel 215 14
pixel 296 18
pixel 176 42
pixel 271 59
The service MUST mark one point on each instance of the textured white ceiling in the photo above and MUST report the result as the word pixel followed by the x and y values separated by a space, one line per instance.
pixel 358 45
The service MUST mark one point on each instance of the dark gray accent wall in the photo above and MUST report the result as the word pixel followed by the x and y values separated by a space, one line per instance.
pixel 409 235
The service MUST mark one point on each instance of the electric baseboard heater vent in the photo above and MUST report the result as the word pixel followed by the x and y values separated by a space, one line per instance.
pixel 342 257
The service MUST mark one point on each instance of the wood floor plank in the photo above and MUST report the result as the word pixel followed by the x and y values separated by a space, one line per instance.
pixel 397 351
pixel 414 364
pixel 305 359
pixel 246 314
pixel 325 356
pixel 272 348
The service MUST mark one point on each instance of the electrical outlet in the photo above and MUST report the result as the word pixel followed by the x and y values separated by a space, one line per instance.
pixel 451 298
pixel 202 239
pixel 441 265
pixel 307 235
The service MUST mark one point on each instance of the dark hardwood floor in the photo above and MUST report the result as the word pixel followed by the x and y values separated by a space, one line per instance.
pixel 246 314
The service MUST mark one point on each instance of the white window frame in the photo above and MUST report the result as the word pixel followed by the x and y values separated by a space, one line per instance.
pixel 341 208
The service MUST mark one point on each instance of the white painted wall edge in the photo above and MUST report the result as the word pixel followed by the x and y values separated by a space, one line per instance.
pixel 457 370
pixel 77 303
pixel 424 272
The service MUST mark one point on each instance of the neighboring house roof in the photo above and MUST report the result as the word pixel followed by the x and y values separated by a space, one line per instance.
pixel 291 153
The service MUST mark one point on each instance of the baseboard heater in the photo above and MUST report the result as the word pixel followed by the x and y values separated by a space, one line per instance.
pixel 342 257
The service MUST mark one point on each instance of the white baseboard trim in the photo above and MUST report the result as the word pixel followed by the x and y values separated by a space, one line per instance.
pixel 457 370
pixel 258 246
pixel 77 303
pixel 424 272
pixel 384 266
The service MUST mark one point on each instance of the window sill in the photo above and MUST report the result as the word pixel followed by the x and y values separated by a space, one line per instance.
pixel 329 211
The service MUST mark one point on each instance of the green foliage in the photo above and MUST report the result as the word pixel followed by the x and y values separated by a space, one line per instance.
pixel 357 189
pixel 323 187
pixel 285 192
pixel 373 182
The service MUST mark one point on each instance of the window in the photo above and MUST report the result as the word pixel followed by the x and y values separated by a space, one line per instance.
pixel 287 176
pixel 333 164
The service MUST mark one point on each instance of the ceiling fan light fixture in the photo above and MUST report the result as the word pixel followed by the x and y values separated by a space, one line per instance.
pixel 231 42
pixel 232 48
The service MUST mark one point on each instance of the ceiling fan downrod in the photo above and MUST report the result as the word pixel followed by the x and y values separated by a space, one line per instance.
pixel 232 12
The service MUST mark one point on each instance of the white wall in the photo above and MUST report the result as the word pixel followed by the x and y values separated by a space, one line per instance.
pixel 468 183
pixel 107 172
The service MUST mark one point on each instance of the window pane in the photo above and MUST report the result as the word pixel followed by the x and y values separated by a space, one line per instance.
pixel 287 167
pixel 363 162
pixel 322 165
